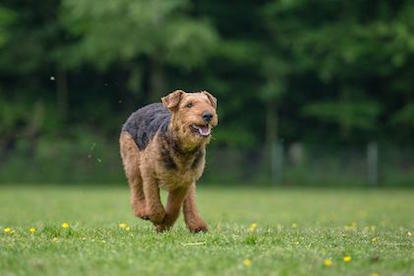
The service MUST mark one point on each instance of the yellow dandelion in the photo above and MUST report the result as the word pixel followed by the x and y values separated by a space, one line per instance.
pixel 327 262
pixel 8 230
pixel 347 259
pixel 32 230
pixel 294 225
pixel 127 228
pixel 374 274
pixel 123 225
pixel 252 227
pixel 65 225
pixel 247 262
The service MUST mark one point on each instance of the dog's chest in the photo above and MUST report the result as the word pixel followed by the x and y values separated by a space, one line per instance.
pixel 182 174
pixel 176 179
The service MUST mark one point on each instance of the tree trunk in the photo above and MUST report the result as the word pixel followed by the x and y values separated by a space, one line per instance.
pixel 157 80
pixel 271 123
pixel 274 148
pixel 62 95
pixel 33 128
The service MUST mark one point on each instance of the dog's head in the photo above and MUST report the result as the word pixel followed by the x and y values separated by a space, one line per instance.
pixel 193 115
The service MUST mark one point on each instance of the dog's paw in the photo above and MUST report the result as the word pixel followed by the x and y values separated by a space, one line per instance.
pixel 141 213
pixel 157 217
pixel 198 227
pixel 162 228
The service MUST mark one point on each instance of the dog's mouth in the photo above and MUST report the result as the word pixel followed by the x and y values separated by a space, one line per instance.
pixel 202 130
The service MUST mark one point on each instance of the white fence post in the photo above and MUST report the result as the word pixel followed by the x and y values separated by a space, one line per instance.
pixel 372 160
pixel 276 162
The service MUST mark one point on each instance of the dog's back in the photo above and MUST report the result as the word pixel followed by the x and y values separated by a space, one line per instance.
pixel 144 123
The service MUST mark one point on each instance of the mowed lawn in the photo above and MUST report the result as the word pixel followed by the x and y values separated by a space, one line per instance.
pixel 253 231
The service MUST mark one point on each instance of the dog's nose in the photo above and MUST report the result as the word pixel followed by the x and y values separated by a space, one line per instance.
pixel 207 116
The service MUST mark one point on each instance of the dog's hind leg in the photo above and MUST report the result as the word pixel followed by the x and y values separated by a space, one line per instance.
pixel 192 217
pixel 130 160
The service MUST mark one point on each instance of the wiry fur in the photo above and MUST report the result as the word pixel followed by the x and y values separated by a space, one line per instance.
pixel 144 123
pixel 161 149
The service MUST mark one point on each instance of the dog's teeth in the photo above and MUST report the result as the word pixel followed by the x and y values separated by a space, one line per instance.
pixel 205 130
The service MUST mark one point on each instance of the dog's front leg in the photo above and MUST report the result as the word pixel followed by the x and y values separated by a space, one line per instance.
pixel 154 208
pixel 191 215
pixel 174 203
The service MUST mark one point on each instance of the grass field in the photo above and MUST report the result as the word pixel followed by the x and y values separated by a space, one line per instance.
pixel 298 232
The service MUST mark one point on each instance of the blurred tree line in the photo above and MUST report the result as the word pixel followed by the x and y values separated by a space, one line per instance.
pixel 291 70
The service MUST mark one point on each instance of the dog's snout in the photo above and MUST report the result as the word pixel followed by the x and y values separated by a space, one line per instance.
pixel 207 116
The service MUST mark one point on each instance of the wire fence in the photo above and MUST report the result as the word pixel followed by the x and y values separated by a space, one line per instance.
pixel 297 164
pixel 314 165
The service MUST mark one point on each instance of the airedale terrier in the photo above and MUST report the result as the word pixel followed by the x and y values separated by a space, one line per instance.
pixel 164 146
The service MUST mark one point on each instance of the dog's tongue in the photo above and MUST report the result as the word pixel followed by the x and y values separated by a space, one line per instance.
pixel 204 130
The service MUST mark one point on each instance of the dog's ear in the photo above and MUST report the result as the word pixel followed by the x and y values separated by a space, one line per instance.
pixel 212 99
pixel 172 100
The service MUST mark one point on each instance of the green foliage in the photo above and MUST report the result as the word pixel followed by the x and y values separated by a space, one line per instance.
pixel 7 16
pixel 405 116
pixel 10 114
pixel 356 114
pixel 121 31
pixel 287 70
pixel 343 45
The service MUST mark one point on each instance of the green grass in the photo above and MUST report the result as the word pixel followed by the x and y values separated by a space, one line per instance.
pixel 296 230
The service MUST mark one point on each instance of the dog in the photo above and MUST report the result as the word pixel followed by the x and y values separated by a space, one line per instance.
pixel 163 145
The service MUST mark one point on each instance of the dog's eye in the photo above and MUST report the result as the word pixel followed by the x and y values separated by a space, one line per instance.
pixel 189 105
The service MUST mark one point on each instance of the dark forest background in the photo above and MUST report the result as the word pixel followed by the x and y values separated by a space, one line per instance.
pixel 309 92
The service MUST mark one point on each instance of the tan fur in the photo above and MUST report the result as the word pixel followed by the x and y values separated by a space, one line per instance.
pixel 146 171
